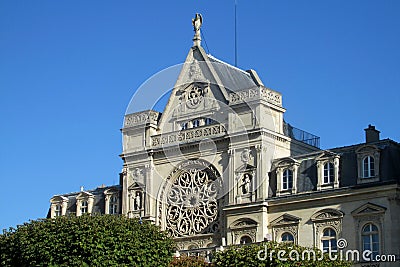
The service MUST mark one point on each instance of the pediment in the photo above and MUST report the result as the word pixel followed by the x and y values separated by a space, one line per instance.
pixel 243 223
pixel 84 194
pixel 367 149
pixel 285 219
pixel 284 162
pixel 136 185
pixel 55 199
pixel 327 214
pixel 245 168
pixel 111 190
pixel 197 89
pixel 326 154
pixel 368 209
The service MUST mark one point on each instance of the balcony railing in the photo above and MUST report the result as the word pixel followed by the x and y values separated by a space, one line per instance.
pixel 188 135
pixel 301 135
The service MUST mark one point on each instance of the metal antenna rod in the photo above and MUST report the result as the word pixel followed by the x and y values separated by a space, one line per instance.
pixel 235 36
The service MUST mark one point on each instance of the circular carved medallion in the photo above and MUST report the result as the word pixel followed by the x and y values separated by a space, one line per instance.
pixel 191 204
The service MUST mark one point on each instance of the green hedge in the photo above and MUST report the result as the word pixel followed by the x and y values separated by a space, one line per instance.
pixel 103 240
pixel 250 256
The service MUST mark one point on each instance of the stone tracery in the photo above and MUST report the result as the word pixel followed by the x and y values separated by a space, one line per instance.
pixel 191 203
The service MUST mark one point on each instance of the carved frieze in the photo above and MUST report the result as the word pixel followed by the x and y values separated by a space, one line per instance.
pixel 141 118
pixel 262 93
pixel 188 135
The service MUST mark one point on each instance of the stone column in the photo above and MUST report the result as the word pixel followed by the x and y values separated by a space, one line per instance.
pixel 279 175
pixel 230 180
pixel 147 195
pixel 295 168
pixel 64 206
pixel 261 185
pixel 90 204
pixel 320 175
pixel 336 169
pixel 107 204
pixel 125 196
pixel 78 207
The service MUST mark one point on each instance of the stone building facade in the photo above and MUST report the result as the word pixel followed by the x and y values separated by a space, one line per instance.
pixel 220 166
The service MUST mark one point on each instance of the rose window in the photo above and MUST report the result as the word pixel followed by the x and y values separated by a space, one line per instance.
pixel 191 206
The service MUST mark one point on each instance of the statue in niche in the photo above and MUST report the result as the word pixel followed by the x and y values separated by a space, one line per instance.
pixel 246 183
pixel 138 201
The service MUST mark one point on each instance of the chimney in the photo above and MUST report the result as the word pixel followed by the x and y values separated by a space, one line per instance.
pixel 371 134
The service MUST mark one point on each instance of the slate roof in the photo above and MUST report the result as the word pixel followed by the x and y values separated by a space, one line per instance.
pixel 232 78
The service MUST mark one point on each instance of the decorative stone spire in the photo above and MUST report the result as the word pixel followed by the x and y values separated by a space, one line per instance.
pixel 197 21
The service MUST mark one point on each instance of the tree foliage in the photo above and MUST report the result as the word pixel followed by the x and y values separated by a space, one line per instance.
pixel 250 256
pixel 101 240
pixel 189 261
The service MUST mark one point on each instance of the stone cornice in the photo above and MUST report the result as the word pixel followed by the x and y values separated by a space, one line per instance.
pixel 332 194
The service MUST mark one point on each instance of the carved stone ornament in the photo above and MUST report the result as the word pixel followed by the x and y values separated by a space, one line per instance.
pixel 195 73
pixel 247 232
pixel 195 96
pixel 245 156
pixel 191 203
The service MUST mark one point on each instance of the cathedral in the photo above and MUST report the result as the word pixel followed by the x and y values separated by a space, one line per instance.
pixel 220 166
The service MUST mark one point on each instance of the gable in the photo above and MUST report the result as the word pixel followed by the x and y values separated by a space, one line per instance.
pixel 84 194
pixel 285 219
pixel 326 155
pixel 368 209
pixel 243 223
pixel 202 90
pixel 327 214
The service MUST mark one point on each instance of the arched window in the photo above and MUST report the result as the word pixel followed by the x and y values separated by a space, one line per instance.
pixel 84 206
pixel 287 182
pixel 329 173
pixel 287 237
pixel 184 126
pixel 57 210
pixel 329 241
pixel 245 239
pixel 113 204
pixel 196 123
pixel 208 121
pixel 370 239
pixel 368 167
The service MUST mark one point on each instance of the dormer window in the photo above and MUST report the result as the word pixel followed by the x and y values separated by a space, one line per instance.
pixel 368 157
pixel 57 210
pixel 113 206
pixel 84 207
pixel 84 203
pixel 329 173
pixel 368 167
pixel 112 201
pixel 286 176
pixel 58 206
pixel 287 179
pixel 328 170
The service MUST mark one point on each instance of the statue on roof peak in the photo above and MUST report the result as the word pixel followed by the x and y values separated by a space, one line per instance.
pixel 197 21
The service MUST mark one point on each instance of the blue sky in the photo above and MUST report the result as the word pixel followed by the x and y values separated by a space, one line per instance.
pixel 69 68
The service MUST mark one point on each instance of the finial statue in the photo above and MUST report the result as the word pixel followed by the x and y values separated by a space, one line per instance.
pixel 197 21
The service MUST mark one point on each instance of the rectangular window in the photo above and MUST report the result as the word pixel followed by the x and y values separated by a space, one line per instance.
pixel 113 205
pixel 84 207
pixel 57 210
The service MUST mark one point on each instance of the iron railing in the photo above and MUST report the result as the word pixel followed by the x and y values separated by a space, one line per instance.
pixel 301 135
